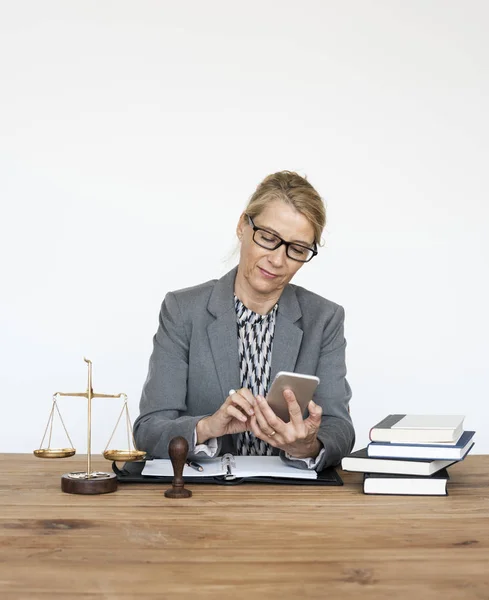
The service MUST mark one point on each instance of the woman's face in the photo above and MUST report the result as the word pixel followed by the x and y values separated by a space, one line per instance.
pixel 267 272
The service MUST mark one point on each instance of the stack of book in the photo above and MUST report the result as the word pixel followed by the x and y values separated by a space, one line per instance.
pixel 410 454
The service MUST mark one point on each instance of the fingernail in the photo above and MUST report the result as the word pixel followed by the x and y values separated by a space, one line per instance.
pixel 251 412
pixel 243 418
pixel 258 398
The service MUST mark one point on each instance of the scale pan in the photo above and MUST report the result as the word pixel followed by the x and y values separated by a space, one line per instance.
pixel 54 452
pixel 125 455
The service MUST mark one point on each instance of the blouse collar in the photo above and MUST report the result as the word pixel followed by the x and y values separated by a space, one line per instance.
pixel 246 315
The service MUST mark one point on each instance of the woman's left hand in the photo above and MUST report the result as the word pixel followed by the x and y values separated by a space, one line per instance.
pixel 298 437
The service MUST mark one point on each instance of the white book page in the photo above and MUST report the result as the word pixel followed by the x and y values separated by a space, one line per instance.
pixel 162 467
pixel 268 466
pixel 429 422
pixel 246 466
pixel 432 445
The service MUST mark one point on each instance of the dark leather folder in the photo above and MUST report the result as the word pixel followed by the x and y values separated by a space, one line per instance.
pixel 131 473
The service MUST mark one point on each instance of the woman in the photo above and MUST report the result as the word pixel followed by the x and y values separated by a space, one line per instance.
pixel 220 344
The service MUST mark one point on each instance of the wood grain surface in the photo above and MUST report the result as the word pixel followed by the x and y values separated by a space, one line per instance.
pixel 248 541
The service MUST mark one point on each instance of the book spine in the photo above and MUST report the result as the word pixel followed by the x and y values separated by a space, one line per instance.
pixel 386 423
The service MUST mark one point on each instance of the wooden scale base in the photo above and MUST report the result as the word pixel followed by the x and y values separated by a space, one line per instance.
pixel 96 483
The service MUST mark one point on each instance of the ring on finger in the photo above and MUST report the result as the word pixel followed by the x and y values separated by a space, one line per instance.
pixel 272 433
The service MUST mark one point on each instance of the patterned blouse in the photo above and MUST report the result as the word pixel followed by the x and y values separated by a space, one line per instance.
pixel 255 342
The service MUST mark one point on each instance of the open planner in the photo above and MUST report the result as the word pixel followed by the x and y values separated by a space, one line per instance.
pixel 228 470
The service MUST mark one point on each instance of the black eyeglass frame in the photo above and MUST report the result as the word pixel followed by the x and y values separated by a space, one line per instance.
pixel 282 242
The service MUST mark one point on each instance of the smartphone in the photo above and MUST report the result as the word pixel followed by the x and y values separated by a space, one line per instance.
pixel 303 387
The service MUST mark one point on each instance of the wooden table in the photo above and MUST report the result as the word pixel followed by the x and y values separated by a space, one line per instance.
pixel 249 541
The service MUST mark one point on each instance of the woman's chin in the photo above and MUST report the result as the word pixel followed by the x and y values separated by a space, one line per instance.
pixel 264 284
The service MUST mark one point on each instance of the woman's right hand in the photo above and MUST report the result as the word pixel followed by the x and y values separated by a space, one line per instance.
pixel 231 417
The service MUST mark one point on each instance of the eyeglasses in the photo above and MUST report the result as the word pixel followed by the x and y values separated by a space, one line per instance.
pixel 270 241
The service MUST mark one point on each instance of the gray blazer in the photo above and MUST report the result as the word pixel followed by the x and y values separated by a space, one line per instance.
pixel 195 363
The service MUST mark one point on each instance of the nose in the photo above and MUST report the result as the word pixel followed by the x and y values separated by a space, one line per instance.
pixel 277 257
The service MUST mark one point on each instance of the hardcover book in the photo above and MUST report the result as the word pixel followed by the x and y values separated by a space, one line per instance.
pixel 418 429
pixel 362 462
pixel 423 451
pixel 409 485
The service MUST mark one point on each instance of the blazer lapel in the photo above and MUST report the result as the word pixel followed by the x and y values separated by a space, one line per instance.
pixel 223 333
pixel 287 338
pixel 223 338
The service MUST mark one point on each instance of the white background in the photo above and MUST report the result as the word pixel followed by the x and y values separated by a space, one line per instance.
pixel 133 133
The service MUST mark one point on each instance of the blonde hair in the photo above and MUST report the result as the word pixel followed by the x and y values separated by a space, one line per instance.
pixel 294 190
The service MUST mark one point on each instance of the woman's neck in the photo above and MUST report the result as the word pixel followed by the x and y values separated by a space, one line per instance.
pixel 256 302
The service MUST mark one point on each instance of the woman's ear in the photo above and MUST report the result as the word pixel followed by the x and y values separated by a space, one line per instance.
pixel 241 226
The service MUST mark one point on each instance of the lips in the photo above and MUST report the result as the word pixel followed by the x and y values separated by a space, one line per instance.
pixel 267 274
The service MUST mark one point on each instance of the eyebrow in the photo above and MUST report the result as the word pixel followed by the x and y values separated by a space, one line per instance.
pixel 302 242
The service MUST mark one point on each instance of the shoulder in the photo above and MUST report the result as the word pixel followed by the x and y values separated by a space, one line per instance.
pixel 190 298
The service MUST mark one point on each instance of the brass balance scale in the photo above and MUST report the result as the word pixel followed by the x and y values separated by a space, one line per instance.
pixel 89 482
